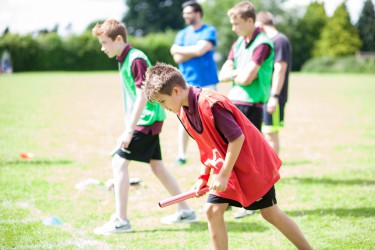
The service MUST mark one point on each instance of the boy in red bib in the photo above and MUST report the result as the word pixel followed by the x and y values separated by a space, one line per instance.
pixel 244 167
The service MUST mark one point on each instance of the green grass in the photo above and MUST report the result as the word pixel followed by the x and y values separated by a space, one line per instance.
pixel 70 122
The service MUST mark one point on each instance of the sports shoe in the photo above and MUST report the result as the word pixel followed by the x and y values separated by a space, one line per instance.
pixel 180 216
pixel 243 213
pixel 180 162
pixel 114 225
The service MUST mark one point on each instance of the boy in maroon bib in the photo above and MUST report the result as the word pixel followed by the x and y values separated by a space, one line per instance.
pixel 243 166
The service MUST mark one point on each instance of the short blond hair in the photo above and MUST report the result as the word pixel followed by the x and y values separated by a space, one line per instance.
pixel 111 28
pixel 244 10
pixel 160 79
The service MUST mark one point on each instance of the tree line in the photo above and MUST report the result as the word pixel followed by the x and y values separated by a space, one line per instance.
pixel 152 26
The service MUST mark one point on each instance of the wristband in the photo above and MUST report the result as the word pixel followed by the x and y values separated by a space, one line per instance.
pixel 204 177
pixel 275 95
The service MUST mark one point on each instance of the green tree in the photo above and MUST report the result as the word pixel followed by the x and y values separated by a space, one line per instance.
pixel 215 13
pixel 83 53
pixel 366 26
pixel 23 50
pixel 339 37
pixel 145 16
pixel 51 53
pixel 305 33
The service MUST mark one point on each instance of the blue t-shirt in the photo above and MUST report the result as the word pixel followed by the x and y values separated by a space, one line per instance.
pixel 198 71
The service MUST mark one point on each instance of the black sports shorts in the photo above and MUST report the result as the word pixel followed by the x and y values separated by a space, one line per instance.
pixel 143 148
pixel 253 113
pixel 267 200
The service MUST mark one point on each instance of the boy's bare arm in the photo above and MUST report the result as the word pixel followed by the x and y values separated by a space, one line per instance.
pixel 227 72
pixel 278 78
pixel 220 181
pixel 247 75
pixel 184 53
pixel 139 105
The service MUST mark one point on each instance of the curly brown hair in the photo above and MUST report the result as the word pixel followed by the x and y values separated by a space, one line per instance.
pixel 160 79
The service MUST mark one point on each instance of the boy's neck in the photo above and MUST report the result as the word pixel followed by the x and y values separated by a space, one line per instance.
pixel 270 31
pixel 121 48
pixel 185 97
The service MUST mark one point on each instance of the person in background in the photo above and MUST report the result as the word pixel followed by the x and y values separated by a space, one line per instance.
pixel 193 51
pixel 248 67
pixel 143 123
pixel 241 166
pixel 273 111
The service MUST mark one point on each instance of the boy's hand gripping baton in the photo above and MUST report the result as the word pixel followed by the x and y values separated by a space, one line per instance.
pixel 182 197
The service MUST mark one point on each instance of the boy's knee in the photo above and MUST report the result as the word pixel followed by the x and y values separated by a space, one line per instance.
pixel 158 167
pixel 270 213
pixel 213 210
pixel 266 215
pixel 117 163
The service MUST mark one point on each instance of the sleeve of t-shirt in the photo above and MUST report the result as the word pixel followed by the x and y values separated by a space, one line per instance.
pixel 261 53
pixel 209 34
pixel 139 68
pixel 225 122
pixel 281 50
pixel 179 39
pixel 231 53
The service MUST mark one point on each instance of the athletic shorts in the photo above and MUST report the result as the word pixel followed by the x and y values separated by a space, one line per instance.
pixel 272 123
pixel 268 200
pixel 143 148
pixel 253 113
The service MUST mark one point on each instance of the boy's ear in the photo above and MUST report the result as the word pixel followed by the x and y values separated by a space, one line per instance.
pixel 119 38
pixel 176 90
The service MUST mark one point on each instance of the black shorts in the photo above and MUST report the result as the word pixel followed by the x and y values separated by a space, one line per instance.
pixel 143 148
pixel 253 113
pixel 268 200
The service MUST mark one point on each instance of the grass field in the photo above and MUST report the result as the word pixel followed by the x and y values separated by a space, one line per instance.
pixel 70 122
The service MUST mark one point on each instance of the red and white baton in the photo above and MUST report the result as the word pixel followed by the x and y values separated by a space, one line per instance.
pixel 182 197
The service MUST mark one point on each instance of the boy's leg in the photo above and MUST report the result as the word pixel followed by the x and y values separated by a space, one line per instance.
pixel 216 225
pixel 168 181
pixel 183 139
pixel 118 222
pixel 272 123
pixel 273 140
pixel 121 185
pixel 286 226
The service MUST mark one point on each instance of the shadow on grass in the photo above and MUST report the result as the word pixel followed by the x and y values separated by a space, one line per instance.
pixel 38 162
pixel 329 181
pixel 202 226
pixel 341 212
